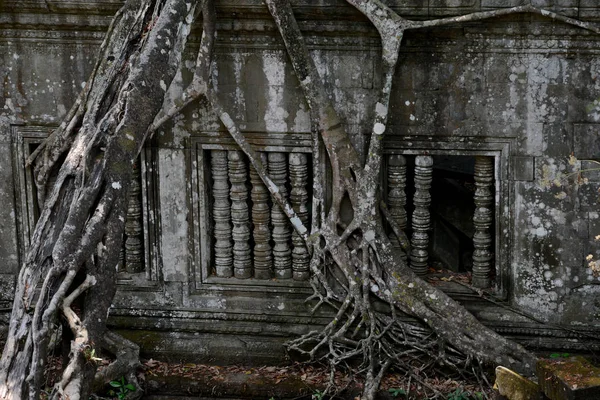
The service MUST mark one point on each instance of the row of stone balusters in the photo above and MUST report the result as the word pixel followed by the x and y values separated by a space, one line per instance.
pixel 279 252
pixel 421 221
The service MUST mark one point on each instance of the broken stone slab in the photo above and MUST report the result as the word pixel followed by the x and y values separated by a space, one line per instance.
pixel 573 378
pixel 513 386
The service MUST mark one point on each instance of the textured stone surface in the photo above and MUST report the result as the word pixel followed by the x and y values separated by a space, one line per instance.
pixel 573 378
pixel 514 386
pixel 523 168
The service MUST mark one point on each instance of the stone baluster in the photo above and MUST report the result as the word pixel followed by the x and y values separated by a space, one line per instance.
pixel 299 200
pixel 396 181
pixel 238 174
pixel 483 219
pixel 221 214
pixel 421 217
pixel 263 256
pixel 282 262
pixel 121 265
pixel 134 252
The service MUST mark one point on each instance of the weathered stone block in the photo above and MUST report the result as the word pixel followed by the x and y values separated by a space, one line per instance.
pixel 589 196
pixel 573 378
pixel 559 139
pixel 503 3
pixel 594 225
pixel 555 3
pixel 587 141
pixel 590 170
pixel 452 3
pixel 8 228
pixel 523 168
pixel 513 386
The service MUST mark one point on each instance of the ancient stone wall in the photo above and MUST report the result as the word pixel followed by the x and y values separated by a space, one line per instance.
pixel 507 110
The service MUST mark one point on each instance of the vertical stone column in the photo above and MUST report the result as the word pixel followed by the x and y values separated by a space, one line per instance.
pixel 299 200
pixel 282 262
pixel 134 252
pixel 421 219
pixel 238 174
pixel 483 219
pixel 263 257
pixel 396 180
pixel 221 214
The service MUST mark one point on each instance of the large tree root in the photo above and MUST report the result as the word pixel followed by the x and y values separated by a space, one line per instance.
pixel 126 364
pixel 89 159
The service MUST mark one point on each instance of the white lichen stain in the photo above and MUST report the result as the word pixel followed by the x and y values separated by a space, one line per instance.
pixel 275 114
pixel 116 185
pixel 379 128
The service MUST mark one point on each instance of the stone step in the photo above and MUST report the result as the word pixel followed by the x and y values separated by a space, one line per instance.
pixel 573 378
pixel 511 386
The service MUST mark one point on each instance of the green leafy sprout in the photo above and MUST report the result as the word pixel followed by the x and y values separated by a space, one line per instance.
pixel 122 388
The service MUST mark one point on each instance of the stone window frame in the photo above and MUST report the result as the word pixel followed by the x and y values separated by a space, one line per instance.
pixel 22 137
pixel 500 149
pixel 200 252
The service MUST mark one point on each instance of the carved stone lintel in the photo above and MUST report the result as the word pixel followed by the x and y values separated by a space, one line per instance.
pixel 396 179
pixel 134 250
pixel 242 259
pixel 282 262
pixel 263 255
pixel 299 200
pixel 221 214
pixel 421 218
pixel 483 219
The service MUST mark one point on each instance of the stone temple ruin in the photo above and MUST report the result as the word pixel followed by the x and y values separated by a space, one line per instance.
pixel 491 168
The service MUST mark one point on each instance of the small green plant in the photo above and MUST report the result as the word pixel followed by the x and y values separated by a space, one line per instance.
pixel 121 388
pixel 318 395
pixel 395 392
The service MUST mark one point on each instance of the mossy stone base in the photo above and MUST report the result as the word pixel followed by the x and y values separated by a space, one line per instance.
pixel 513 386
pixel 572 378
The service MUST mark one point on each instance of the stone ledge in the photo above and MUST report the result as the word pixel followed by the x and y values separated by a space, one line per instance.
pixel 573 378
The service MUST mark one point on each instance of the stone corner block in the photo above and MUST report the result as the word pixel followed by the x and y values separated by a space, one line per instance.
pixel 522 168
pixel 514 386
pixel 586 144
pixel 573 378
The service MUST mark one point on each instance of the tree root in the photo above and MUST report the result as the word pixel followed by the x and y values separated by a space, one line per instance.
pixel 126 364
